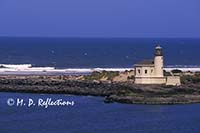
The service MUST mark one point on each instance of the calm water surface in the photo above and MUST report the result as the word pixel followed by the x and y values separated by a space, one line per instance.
pixel 92 115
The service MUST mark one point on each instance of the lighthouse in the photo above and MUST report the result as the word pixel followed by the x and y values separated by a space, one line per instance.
pixel 158 62
pixel 151 71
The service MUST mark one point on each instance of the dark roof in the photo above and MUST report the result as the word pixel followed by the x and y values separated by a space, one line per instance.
pixel 148 62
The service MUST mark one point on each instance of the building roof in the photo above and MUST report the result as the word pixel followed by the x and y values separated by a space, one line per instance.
pixel 148 62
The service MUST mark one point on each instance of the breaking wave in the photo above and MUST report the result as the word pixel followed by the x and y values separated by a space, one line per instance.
pixel 28 68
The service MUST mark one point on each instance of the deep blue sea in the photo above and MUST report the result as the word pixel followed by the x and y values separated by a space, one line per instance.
pixel 95 52
pixel 91 114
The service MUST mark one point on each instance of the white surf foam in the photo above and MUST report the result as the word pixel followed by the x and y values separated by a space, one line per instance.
pixel 28 68
pixel 16 66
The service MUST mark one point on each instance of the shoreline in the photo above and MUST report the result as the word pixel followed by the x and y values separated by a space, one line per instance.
pixel 29 69
pixel 124 92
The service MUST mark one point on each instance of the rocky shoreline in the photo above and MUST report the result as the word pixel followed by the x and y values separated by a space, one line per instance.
pixel 124 92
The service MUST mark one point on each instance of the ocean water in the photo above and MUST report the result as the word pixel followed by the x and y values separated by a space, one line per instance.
pixel 92 115
pixel 95 52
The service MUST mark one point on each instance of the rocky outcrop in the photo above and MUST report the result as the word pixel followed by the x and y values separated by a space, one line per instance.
pixel 125 92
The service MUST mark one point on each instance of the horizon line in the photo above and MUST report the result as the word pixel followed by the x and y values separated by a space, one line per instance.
pixel 92 37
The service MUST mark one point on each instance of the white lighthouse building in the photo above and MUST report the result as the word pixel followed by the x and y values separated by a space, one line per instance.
pixel 151 71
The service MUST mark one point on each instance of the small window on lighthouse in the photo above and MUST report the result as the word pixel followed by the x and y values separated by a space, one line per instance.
pixel 139 71
pixel 151 70
pixel 145 71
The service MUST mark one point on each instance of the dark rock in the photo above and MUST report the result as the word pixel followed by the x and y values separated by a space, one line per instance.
pixel 113 92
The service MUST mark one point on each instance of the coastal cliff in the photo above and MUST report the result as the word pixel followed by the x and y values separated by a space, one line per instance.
pixel 122 92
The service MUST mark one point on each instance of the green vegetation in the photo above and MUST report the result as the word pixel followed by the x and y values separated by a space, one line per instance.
pixel 197 73
pixel 109 75
pixel 191 79
pixel 128 71
pixel 166 73
pixel 176 71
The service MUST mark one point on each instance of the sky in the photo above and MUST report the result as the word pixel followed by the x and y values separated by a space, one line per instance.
pixel 100 18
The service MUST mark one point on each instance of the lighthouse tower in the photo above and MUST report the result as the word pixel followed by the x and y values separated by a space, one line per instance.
pixel 158 61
